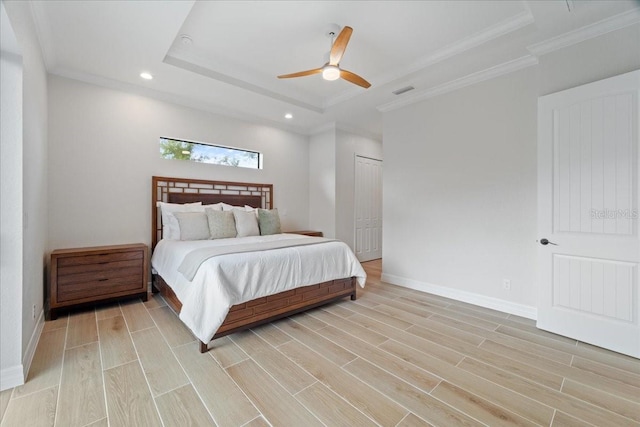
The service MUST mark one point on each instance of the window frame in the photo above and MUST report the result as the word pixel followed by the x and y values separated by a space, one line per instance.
pixel 205 144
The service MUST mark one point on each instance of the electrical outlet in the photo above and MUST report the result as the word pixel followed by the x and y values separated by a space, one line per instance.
pixel 33 311
pixel 506 284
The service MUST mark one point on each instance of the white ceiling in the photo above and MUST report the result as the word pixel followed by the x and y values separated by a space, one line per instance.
pixel 240 46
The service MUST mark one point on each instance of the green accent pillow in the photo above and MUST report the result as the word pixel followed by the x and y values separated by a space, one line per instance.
pixel 269 222
pixel 222 224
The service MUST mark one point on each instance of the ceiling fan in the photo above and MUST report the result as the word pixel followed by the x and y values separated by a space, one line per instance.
pixel 331 70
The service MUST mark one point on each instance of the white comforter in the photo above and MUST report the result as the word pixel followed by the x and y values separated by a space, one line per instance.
pixel 227 280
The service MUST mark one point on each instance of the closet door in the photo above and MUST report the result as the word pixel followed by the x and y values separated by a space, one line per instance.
pixel 368 209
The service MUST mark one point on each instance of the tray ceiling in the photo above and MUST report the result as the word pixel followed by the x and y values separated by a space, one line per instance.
pixel 239 47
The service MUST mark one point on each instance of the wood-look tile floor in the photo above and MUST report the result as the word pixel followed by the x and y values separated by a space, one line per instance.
pixel 394 357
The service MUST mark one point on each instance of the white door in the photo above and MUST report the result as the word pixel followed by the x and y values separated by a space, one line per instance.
pixel 368 209
pixel 588 212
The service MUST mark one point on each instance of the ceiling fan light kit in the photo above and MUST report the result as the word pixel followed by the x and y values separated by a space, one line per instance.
pixel 331 70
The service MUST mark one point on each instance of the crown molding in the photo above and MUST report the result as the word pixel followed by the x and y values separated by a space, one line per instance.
pixel 206 72
pixel 208 108
pixel 178 59
pixel 177 100
pixel 358 131
pixel 492 32
pixel 471 79
pixel 191 59
pixel 348 94
pixel 326 127
pixel 523 19
pixel 336 126
pixel 587 32
pixel 500 29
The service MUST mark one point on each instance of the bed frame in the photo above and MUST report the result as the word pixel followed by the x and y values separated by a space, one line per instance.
pixel 251 313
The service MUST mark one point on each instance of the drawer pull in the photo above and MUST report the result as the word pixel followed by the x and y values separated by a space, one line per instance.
pixel 102 280
pixel 104 262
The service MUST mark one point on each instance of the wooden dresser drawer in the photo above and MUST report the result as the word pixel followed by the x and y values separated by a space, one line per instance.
pixel 104 269
pixel 85 286
pixel 102 258
pixel 87 275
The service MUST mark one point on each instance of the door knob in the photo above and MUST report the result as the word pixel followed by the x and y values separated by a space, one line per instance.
pixel 547 242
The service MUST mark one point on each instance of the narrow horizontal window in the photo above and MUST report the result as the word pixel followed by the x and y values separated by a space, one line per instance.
pixel 208 153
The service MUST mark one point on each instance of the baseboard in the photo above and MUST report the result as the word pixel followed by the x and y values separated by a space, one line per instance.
pixel 11 377
pixel 464 296
pixel 33 343
pixel 15 375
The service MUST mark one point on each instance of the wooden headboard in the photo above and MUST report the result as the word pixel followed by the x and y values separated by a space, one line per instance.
pixel 185 190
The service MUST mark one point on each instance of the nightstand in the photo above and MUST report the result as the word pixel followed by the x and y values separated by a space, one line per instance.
pixel 86 275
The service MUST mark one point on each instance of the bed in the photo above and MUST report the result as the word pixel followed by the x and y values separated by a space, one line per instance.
pixel 265 285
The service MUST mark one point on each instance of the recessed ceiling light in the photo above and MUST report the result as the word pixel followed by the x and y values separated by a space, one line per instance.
pixel 288 116
pixel 146 76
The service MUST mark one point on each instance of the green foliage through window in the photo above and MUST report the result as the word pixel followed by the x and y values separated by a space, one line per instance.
pixel 206 153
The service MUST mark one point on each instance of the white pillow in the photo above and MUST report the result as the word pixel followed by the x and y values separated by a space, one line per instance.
pixel 193 225
pixel 170 226
pixel 215 206
pixel 250 209
pixel 246 223
pixel 228 207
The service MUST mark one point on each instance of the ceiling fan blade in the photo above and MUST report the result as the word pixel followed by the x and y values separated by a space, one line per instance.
pixel 354 78
pixel 340 45
pixel 301 73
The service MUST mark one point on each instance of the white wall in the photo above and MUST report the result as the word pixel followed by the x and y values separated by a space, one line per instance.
pixel 11 238
pixel 322 182
pixel 35 188
pixel 28 176
pixel 460 177
pixel 104 149
pixel 460 189
pixel 348 145
pixel 332 180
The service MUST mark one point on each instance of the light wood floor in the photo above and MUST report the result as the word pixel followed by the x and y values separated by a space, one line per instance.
pixel 394 357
